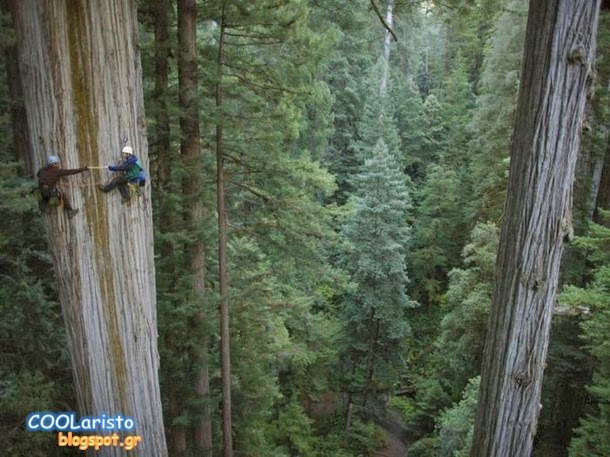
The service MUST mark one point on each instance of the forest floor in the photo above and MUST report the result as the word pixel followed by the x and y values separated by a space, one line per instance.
pixel 396 436
pixel 394 447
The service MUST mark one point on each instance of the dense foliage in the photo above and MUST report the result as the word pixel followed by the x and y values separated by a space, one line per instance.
pixel 363 226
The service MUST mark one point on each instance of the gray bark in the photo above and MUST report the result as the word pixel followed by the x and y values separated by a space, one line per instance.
pixel 83 94
pixel 559 53
pixel 387 43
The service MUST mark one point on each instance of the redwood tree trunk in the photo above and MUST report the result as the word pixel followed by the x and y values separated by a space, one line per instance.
pixel 81 76
pixel 160 141
pixel 162 163
pixel 195 211
pixel 559 53
pixel 18 115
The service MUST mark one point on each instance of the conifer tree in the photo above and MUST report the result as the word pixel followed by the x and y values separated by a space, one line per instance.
pixel 493 116
pixel 375 312
pixel 377 120
pixel 455 425
pixel 345 72
pixel 442 225
pixel 591 437
pixel 409 118
pixel 195 213
pixel 459 347
pixel 277 230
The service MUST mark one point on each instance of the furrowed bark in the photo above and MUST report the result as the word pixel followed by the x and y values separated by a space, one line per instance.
pixel 195 217
pixel 559 53
pixel 83 94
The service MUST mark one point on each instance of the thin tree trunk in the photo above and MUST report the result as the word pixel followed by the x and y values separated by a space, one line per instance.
pixel 225 334
pixel 350 401
pixel 559 53
pixel 370 356
pixel 83 94
pixel 603 196
pixel 387 42
pixel 203 428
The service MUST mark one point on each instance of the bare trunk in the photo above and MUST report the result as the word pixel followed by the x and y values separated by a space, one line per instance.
pixel 177 435
pixel 559 53
pixel 387 41
pixel 82 90
pixel 225 333
pixel 203 428
pixel 603 195
pixel 370 357
pixel 192 190
pixel 162 162
pixel 18 114
pixel 160 147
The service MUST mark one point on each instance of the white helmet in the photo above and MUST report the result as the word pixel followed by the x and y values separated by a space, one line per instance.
pixel 52 160
pixel 127 150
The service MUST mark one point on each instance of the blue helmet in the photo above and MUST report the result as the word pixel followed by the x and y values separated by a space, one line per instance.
pixel 52 160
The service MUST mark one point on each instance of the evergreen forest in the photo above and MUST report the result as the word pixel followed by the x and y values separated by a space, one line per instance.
pixel 327 187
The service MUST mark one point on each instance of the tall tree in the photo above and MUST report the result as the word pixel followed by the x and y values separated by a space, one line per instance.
pixel 409 115
pixel 387 41
pixel 160 133
pixel 156 17
pixel 264 81
pixel 344 72
pixel 13 80
pixel 494 114
pixel 441 227
pixel 600 141
pixel 459 347
pixel 375 312
pixel 192 188
pixel 223 279
pixel 377 118
pixel 559 52
pixel 591 437
pixel 83 94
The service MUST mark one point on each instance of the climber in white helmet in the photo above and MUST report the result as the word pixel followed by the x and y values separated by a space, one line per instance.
pixel 132 173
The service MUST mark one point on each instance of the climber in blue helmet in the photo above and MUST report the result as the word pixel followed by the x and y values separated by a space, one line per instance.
pixel 132 173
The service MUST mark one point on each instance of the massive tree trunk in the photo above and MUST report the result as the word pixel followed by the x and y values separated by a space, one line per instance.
pixel 82 90
pixel 559 53
pixel 195 211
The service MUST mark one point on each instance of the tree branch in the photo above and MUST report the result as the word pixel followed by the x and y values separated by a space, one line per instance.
pixel 263 197
pixel 383 22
